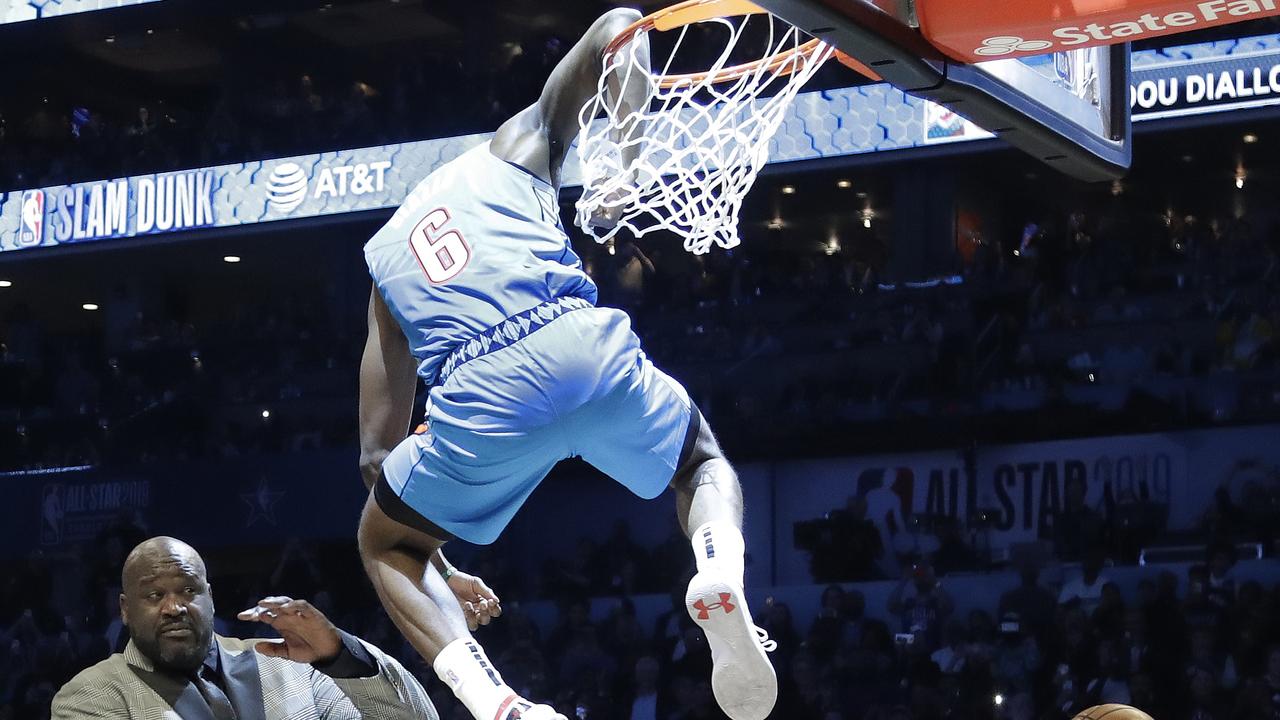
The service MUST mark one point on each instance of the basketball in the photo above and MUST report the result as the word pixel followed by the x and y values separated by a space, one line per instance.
pixel 1112 712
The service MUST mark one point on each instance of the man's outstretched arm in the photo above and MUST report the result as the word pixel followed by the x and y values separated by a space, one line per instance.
pixel 576 79
pixel 539 137
pixel 388 380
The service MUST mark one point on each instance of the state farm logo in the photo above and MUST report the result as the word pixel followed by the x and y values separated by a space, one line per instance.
pixel 287 187
pixel 1113 27
pixel 1007 44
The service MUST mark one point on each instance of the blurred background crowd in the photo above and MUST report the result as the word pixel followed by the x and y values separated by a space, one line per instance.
pixel 1197 640
pixel 1110 322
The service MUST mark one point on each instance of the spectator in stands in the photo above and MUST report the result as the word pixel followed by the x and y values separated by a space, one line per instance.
pixel 982 637
pixel 1078 528
pixel 975 662
pixel 574 615
pixel 1017 658
pixel 188 670
pixel 1136 640
pixel 884 511
pixel 585 664
pixel 1221 584
pixel 1199 608
pixel 1109 683
pixel 827 634
pixel 844 545
pixel 669 626
pixel 802 695
pixel 1206 700
pixel 1085 590
pixel 1205 658
pixel 777 621
pixel 623 635
pixel 953 554
pixel 1030 601
pixel 951 656
pixel 922 605
pixel 625 559
pixel 646 703
pixel 853 610
pixel 1108 617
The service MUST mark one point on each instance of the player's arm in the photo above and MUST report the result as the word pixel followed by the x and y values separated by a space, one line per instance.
pixel 479 603
pixel 388 379
pixel 576 79
pixel 539 137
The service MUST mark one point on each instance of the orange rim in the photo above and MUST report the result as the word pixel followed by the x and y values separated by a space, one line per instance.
pixel 693 11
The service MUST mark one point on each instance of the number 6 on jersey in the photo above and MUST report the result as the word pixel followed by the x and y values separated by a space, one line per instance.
pixel 442 255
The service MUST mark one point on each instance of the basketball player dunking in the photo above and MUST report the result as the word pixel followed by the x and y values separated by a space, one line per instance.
pixel 478 291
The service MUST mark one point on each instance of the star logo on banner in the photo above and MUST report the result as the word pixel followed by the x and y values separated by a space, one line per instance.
pixel 262 503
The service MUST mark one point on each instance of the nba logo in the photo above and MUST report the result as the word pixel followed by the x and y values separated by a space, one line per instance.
pixel 1065 67
pixel 32 229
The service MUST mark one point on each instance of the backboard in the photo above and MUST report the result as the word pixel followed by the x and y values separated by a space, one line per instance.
pixel 1069 108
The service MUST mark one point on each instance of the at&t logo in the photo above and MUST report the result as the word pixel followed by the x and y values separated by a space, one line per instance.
pixel 288 185
pixel 1007 44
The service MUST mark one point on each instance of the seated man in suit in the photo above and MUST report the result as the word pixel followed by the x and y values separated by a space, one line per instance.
pixel 175 667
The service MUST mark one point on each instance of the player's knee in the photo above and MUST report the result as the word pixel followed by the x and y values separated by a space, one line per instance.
pixel 370 538
pixel 707 449
pixel 366 548
pixel 704 469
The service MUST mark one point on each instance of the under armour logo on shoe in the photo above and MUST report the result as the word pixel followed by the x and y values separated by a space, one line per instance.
pixel 704 610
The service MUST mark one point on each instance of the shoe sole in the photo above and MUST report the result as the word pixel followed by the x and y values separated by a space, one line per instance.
pixel 742 678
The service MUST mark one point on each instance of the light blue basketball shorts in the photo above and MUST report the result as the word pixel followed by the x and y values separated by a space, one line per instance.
pixel 576 385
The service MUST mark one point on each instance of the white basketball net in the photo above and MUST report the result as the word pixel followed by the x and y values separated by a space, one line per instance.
pixel 699 144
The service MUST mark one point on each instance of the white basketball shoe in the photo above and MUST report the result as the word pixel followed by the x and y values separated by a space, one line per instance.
pixel 517 708
pixel 742 677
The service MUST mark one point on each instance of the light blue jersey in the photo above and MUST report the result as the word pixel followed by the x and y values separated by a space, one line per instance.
pixel 476 242
pixel 524 370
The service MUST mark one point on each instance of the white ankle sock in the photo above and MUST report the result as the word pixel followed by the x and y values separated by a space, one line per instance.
pixel 719 545
pixel 463 666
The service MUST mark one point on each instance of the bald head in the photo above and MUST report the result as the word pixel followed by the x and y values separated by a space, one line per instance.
pixel 155 554
pixel 166 602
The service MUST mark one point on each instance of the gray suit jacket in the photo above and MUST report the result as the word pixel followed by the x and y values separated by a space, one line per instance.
pixel 126 685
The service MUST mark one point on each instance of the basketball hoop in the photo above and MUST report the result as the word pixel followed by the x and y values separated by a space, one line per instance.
pixel 700 140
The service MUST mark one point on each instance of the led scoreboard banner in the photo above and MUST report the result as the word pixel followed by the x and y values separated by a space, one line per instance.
pixel 1163 86
pixel 223 196
pixel 1182 80
pixel 12 11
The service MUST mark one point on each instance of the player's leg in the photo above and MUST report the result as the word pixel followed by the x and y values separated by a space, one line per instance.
pixel 396 558
pixel 709 504
pixel 463 475
pixel 640 427
pixel 416 597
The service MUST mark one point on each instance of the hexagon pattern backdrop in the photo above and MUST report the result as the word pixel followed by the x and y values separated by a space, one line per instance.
pixel 12 11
